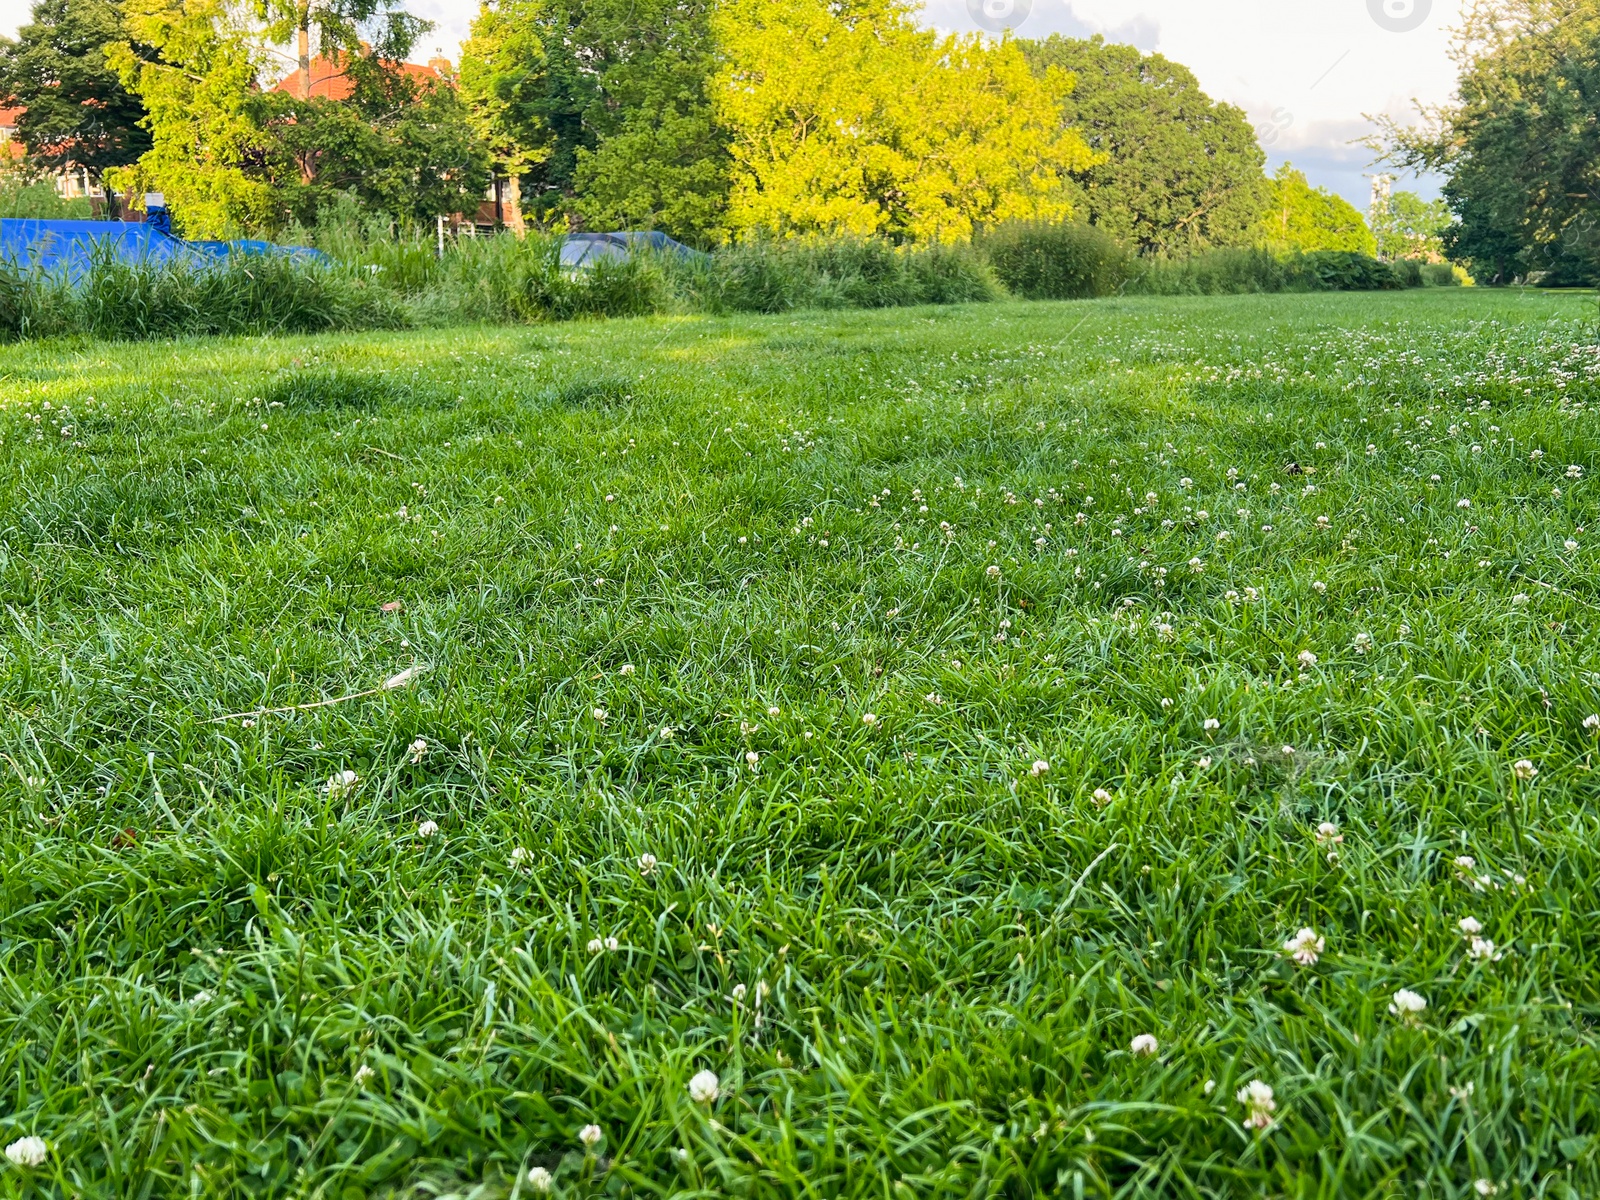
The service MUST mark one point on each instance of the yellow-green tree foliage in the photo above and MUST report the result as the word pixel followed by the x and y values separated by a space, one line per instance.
pixel 1303 218
pixel 198 97
pixel 847 118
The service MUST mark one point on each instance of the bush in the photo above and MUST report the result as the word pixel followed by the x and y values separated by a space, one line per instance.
pixel 37 200
pixel 1039 260
pixel 839 273
pixel 1408 271
pixel 1344 271
pixel 1442 275
pixel 1221 272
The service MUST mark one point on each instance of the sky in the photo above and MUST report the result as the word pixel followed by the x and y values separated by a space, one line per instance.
pixel 1305 71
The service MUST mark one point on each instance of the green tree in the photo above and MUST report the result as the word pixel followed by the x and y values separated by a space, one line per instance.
pixel 609 101
pixel 846 117
pixel 1178 171
pixel 342 26
pixel 502 80
pixel 199 90
pixel 1411 227
pixel 1302 218
pixel 78 115
pixel 659 157
pixel 1521 144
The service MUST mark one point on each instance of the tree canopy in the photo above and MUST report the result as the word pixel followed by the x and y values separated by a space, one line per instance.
pixel 78 115
pixel 1521 144
pixel 1302 218
pixel 1176 171
pixel 847 117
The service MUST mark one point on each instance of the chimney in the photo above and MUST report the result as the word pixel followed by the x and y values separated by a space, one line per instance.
pixel 440 66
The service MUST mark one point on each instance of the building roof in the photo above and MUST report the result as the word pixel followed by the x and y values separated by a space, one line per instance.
pixel 9 147
pixel 329 81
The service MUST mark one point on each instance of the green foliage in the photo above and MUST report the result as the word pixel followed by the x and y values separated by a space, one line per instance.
pixel 777 276
pixel 1520 143
pixel 1411 227
pixel 1056 261
pixel 1300 218
pixel 24 195
pixel 916 966
pixel 1232 271
pixel 1179 172
pixel 121 301
pixel 78 115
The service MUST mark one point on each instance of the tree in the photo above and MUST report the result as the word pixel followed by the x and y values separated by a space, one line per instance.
pixel 342 26
pixel 659 157
pixel 848 118
pixel 78 115
pixel 1302 218
pixel 1411 227
pixel 502 68
pixel 400 145
pixel 1521 143
pixel 198 90
pixel 607 102
pixel 1178 171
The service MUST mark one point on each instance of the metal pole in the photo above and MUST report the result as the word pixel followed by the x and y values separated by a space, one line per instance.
pixel 441 237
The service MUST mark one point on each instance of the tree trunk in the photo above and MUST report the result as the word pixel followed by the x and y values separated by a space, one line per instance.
pixel 513 206
pixel 305 52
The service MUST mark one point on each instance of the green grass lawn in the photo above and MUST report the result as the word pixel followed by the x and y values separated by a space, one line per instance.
pixel 901 715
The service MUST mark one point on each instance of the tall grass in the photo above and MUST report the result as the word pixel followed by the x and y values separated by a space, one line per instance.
pixel 122 301
pixel 393 277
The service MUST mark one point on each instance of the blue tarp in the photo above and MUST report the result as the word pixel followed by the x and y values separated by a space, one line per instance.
pixel 586 249
pixel 70 246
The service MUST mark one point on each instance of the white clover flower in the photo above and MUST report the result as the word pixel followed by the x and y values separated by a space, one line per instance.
pixel 774 711
pixel 704 1087
pixel 1524 770
pixel 363 1075
pixel 1307 659
pixel 1463 503
pixel 1571 545
pixel 341 784
pixel 613 945
pixel 993 572
pixel 200 999
pixel 28 1152
pixel 1144 1046
pixel 1362 643
pixel 1259 1104
pixel 540 1180
pixel 1211 725
pixel 1485 1188
pixel 1407 1005
pixel 1469 926
pixel 1288 751
pixel 869 719
pixel 1592 722
pixel 934 699
pixel 596 946
pixel 647 864
pixel 599 715
pixel 752 759
pixel 1039 768
pixel 1520 599
pixel 1101 796
pixel 625 669
pixel 1197 565
pixel 427 829
pixel 1305 947
pixel 1203 762
pixel 1318 586
pixel 1328 834
pixel 590 1136
pixel 1482 949
pixel 1574 472
pixel 667 733
pixel 521 857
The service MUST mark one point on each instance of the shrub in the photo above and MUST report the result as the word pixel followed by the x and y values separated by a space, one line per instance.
pixel 1067 261
pixel 839 273
pixel 1344 271
pixel 1220 272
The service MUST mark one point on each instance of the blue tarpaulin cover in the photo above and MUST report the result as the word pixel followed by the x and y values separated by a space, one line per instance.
pixel 70 246
pixel 587 249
